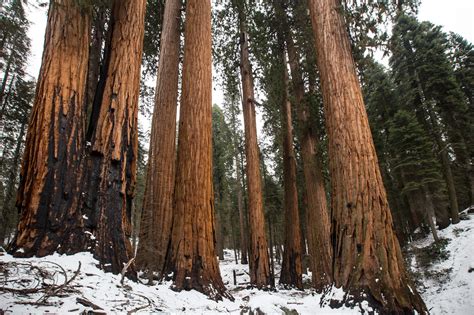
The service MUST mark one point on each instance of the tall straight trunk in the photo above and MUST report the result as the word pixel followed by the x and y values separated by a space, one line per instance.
pixel 157 209
pixel 317 214
pixel 191 258
pixel 51 169
pixel 111 164
pixel 219 227
pixel 367 257
pixel 4 103
pixel 6 75
pixel 291 269
pixel 258 256
pixel 431 212
pixel 10 185
pixel 272 255
pixel 238 187
pixel 442 147
pixel 447 172
pixel 243 226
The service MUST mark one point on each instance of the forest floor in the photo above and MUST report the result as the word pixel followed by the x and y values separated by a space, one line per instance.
pixel 60 284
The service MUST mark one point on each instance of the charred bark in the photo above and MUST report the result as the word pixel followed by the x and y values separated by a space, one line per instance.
pixel 111 164
pixel 51 169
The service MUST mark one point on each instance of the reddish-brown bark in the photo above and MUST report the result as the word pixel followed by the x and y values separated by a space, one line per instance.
pixel 317 214
pixel 111 164
pixel 291 268
pixel 258 255
pixel 51 169
pixel 157 209
pixel 191 258
pixel 367 256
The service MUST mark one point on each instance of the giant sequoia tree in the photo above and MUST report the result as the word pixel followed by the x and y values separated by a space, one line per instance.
pixel 258 254
pixel 51 168
pixel 157 210
pixel 111 164
pixel 367 255
pixel 291 267
pixel 317 215
pixel 191 258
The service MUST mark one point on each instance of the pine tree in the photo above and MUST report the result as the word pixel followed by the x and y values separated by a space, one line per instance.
pixel 14 48
pixel 461 57
pixel 421 68
pixel 19 107
pixel 413 158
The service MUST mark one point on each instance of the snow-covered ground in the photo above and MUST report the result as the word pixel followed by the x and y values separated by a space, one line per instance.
pixel 453 295
pixel 447 286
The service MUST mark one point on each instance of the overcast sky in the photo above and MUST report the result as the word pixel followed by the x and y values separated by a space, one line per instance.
pixel 454 15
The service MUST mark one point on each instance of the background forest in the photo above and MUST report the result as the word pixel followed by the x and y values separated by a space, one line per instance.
pixel 418 100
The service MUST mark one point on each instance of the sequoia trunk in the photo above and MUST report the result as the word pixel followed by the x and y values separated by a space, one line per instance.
pixel 317 214
pixel 111 164
pixel 157 209
pixel 51 169
pixel 367 257
pixel 191 258
pixel 291 269
pixel 258 256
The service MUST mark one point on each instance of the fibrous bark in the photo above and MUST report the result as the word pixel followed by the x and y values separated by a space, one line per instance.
pixel 51 169
pixel 291 268
pixel 157 209
pixel 258 255
pixel 111 164
pixel 317 214
pixel 367 256
pixel 191 258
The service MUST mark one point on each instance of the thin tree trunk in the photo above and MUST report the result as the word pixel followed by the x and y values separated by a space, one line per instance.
pixel 219 229
pixel 6 75
pixel 448 174
pixel 7 97
pixel 238 184
pixel 442 147
pixel 291 269
pixel 272 259
pixel 191 258
pixel 317 214
pixel 367 257
pixel 51 169
pixel 157 209
pixel 258 258
pixel 111 164
pixel 10 186
pixel 234 243
pixel 431 213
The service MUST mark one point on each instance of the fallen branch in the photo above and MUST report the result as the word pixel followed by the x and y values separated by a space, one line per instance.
pixel 87 303
pixel 140 307
pixel 56 289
